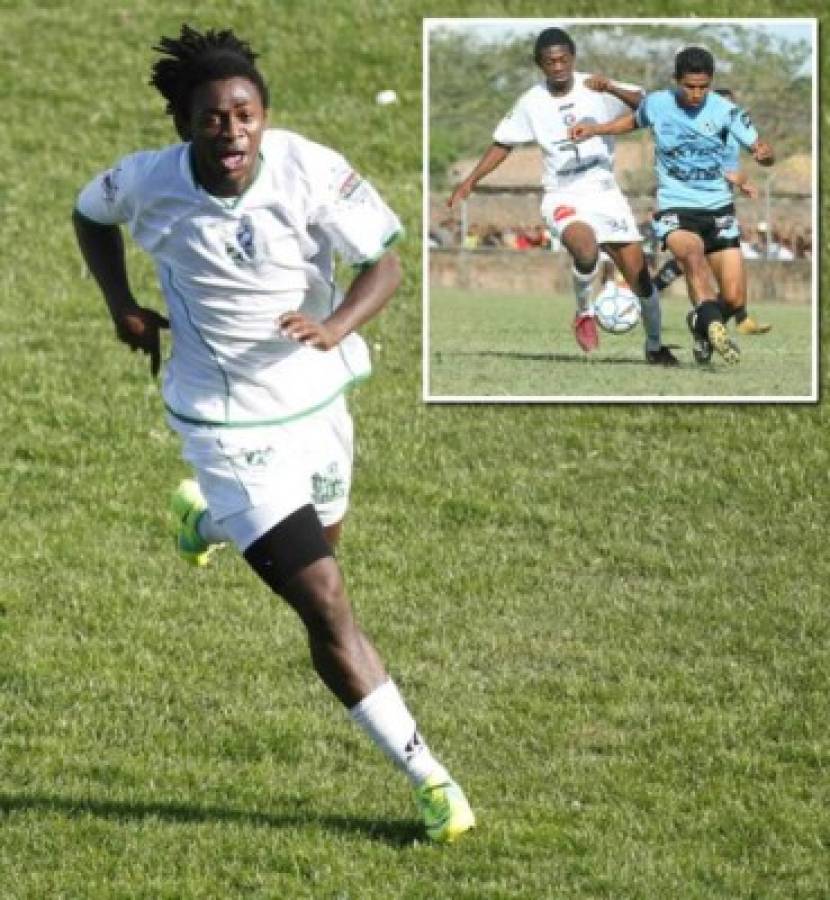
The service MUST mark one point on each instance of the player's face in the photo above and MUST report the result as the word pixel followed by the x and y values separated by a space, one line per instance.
pixel 557 63
pixel 692 88
pixel 226 122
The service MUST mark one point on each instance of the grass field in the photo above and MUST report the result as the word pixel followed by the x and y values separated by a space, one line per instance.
pixel 488 344
pixel 611 621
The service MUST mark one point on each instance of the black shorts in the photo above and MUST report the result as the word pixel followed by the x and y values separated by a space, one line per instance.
pixel 718 228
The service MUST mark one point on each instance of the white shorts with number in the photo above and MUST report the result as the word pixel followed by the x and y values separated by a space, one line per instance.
pixel 253 478
pixel 605 209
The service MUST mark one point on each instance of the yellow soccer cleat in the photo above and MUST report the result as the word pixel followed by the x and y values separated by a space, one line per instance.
pixel 445 810
pixel 723 344
pixel 750 326
pixel 187 505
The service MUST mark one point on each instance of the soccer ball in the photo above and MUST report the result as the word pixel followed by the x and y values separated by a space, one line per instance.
pixel 617 308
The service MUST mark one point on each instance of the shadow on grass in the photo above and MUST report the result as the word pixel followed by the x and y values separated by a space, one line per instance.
pixel 579 358
pixel 397 833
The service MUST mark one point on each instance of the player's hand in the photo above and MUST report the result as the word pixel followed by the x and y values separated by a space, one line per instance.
pixel 582 131
pixel 140 329
pixel 749 190
pixel 310 332
pixel 598 83
pixel 460 193
pixel 763 153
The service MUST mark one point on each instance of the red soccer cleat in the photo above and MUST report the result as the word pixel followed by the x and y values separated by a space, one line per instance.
pixel 585 332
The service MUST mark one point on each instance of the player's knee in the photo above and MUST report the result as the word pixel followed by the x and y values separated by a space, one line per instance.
pixel 319 596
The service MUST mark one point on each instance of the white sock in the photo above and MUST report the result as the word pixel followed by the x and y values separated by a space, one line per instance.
pixel 383 715
pixel 582 287
pixel 651 320
pixel 210 530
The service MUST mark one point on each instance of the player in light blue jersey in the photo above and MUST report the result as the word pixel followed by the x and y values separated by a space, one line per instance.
pixel 696 216
pixel 670 270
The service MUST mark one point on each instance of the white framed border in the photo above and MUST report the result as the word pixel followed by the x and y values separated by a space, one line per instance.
pixel 539 23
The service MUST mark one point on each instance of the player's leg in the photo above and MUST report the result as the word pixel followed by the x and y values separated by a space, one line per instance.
pixel 668 273
pixel 706 320
pixel 733 291
pixel 631 261
pixel 727 266
pixel 579 240
pixel 294 559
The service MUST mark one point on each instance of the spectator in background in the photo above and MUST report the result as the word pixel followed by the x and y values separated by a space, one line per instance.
pixel 472 239
pixel 491 237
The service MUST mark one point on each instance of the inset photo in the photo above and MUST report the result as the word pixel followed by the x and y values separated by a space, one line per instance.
pixel 620 210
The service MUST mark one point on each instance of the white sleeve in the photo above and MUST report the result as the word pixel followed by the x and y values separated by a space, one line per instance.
pixel 110 197
pixel 614 106
pixel 515 127
pixel 349 210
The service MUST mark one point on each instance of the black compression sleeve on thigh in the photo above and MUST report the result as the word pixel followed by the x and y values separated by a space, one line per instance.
pixel 291 545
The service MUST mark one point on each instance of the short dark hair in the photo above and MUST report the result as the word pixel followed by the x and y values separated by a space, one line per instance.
pixel 194 58
pixel 552 37
pixel 694 61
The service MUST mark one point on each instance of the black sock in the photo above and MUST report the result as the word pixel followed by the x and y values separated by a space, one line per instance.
pixel 726 311
pixel 740 315
pixel 669 271
pixel 707 312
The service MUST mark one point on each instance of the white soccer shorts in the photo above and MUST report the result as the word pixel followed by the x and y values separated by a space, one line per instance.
pixel 606 211
pixel 253 478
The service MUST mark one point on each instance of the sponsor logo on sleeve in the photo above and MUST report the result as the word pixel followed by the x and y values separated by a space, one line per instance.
pixel 349 187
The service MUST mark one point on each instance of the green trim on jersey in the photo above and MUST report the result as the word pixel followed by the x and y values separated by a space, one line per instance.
pixel 392 239
pixel 265 423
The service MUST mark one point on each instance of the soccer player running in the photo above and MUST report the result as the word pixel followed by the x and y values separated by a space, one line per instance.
pixel 582 204
pixel 670 270
pixel 242 223
pixel 696 219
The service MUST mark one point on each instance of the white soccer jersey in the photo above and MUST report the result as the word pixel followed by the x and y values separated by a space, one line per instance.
pixel 229 267
pixel 539 117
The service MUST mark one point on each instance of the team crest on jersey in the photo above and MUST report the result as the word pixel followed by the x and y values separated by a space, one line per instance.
pixel 242 249
pixel 109 185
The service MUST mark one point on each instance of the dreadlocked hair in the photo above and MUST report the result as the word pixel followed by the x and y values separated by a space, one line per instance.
pixel 194 58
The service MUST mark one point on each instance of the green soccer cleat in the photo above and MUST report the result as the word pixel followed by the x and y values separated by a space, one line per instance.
pixel 187 506
pixel 446 812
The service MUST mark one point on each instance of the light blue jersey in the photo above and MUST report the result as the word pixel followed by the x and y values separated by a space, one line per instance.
pixel 731 154
pixel 692 148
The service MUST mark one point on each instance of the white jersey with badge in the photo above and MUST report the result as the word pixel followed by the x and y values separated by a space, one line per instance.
pixel 229 267
pixel 540 117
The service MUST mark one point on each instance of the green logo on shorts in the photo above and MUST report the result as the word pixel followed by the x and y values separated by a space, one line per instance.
pixel 328 485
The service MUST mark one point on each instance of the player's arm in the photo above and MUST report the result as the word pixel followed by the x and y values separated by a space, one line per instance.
pixel 370 290
pixel 582 131
pixel 739 179
pixel 631 97
pixel 743 130
pixel 493 157
pixel 102 248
